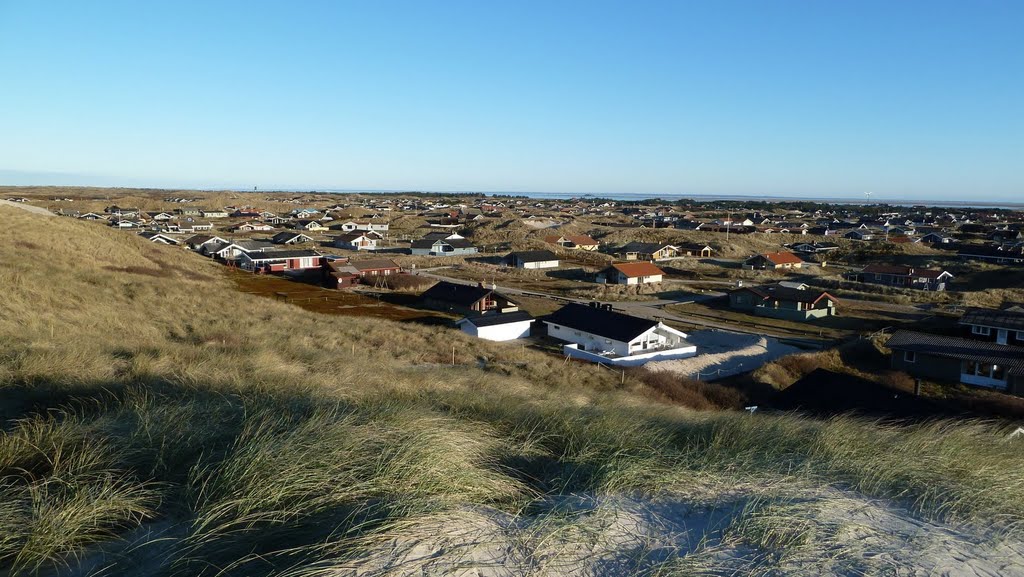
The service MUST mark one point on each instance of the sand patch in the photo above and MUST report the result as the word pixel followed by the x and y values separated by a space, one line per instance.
pixel 830 532
pixel 723 353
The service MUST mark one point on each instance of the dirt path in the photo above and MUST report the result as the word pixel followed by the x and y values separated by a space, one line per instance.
pixel 27 207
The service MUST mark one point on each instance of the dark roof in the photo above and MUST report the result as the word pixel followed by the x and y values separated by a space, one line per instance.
pixel 499 319
pixel 280 254
pixel 287 235
pixel 199 239
pixel 532 256
pixel 459 294
pixel 350 236
pixel 643 247
pixel 959 348
pixel 438 235
pixel 608 324
pixel 824 392
pixel 992 318
pixel 900 270
pixel 784 293
pixel 459 243
pixel 453 242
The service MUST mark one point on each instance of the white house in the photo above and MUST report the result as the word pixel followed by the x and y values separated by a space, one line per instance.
pixel 280 261
pixel 630 273
pixel 499 327
pixel 252 227
pixel 289 237
pixel 532 259
pixel 310 225
pixel 596 333
pixel 352 226
pixel 160 238
pixel 357 241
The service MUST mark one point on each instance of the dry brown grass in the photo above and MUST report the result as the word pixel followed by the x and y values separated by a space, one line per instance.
pixel 266 438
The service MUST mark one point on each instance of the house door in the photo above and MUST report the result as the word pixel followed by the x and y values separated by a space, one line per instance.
pixel 1001 337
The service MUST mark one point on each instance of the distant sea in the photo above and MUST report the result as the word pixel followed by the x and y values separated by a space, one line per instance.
pixel 711 197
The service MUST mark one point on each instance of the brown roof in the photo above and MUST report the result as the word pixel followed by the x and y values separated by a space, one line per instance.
pixel 635 269
pixel 375 264
pixel 782 257
pixel 581 239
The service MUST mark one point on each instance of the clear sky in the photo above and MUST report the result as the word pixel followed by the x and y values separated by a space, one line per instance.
pixel 909 99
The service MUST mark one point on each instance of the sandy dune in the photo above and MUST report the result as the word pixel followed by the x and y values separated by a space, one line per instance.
pixel 827 533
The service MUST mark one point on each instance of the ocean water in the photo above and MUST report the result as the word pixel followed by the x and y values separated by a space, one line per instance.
pixel 976 203
pixel 672 198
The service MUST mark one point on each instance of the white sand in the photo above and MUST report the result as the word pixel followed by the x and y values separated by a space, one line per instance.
pixel 540 223
pixel 584 535
pixel 723 353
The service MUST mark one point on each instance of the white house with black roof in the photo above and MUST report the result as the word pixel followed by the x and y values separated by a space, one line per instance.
pixel 439 247
pixel 597 333
pixel 280 260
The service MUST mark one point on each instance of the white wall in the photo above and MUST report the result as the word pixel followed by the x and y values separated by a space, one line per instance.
pixel 541 264
pixel 632 361
pixel 589 341
pixel 503 332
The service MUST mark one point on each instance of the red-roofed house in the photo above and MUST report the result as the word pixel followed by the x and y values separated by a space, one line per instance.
pixel 630 273
pixel 773 261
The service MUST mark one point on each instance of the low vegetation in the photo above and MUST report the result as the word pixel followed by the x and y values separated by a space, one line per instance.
pixel 154 420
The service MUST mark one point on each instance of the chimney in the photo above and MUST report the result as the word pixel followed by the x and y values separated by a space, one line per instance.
pixel 917 387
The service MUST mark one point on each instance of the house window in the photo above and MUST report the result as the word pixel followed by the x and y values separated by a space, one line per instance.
pixel 998 372
pixel 984 331
pixel 910 356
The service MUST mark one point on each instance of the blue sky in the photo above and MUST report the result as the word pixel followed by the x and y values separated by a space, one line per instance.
pixel 826 98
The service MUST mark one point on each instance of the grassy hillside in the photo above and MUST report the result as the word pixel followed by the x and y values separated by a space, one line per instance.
pixel 155 421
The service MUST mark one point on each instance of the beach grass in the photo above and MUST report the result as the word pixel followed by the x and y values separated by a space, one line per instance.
pixel 156 420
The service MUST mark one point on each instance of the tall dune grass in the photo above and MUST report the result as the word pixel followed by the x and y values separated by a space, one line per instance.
pixel 262 438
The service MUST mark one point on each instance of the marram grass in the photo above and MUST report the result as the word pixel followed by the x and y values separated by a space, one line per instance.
pixel 250 440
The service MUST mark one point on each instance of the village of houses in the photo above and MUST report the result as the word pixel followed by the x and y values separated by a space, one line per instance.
pixel 707 290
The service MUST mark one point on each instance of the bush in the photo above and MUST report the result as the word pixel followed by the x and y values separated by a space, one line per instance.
pixel 407 282
pixel 700 395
